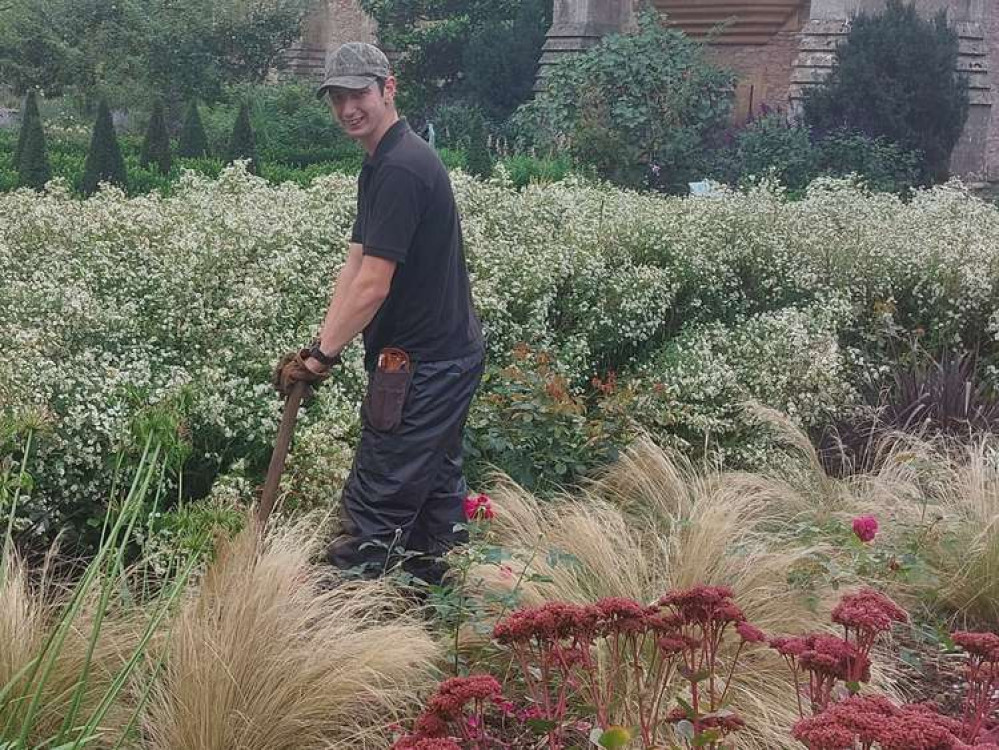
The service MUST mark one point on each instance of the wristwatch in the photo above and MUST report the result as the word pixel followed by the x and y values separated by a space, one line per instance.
pixel 324 359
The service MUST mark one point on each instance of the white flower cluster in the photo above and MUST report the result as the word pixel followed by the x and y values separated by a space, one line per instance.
pixel 111 303
pixel 789 360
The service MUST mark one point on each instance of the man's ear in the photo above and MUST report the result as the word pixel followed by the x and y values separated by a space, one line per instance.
pixel 390 90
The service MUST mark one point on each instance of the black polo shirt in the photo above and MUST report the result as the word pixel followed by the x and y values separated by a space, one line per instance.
pixel 406 213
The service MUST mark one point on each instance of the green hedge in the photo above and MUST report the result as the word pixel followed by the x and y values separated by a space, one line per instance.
pixel 67 158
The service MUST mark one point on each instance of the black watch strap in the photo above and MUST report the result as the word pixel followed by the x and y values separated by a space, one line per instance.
pixel 324 359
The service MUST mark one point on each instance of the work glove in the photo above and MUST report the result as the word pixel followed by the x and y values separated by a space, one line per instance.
pixel 291 369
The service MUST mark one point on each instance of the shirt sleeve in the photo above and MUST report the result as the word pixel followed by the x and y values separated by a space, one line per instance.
pixel 395 209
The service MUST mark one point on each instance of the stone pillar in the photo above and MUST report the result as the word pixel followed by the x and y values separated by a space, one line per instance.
pixel 992 44
pixel 578 25
pixel 328 25
pixel 829 24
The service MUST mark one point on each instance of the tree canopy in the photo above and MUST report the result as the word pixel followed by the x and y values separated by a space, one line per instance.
pixel 896 76
pixel 485 51
pixel 128 48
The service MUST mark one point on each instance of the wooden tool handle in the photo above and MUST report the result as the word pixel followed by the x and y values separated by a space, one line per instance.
pixel 280 453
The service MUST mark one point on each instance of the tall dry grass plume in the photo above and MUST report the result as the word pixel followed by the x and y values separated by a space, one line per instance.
pixel 261 658
pixel 31 610
pixel 948 492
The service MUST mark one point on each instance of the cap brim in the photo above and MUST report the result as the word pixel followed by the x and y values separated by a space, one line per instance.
pixel 355 83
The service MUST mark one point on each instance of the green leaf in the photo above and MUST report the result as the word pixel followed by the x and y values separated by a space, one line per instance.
pixel 541 726
pixel 687 708
pixel 707 737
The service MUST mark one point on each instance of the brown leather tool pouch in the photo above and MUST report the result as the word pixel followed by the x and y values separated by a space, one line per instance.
pixel 388 388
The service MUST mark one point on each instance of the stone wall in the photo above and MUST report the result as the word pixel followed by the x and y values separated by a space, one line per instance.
pixel 764 73
pixel 331 24
pixel 992 41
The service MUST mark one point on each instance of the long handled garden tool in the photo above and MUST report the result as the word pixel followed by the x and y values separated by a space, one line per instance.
pixel 280 453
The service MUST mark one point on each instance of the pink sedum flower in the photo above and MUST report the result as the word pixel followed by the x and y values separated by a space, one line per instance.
pixel 866 528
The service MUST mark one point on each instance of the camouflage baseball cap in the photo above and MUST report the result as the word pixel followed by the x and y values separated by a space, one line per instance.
pixel 354 65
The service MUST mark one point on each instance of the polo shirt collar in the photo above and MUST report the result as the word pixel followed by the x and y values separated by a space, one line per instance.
pixel 391 137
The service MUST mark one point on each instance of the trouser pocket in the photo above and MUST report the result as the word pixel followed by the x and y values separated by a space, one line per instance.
pixel 387 394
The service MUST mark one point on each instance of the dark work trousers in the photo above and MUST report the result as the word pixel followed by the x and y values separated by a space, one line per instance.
pixel 406 491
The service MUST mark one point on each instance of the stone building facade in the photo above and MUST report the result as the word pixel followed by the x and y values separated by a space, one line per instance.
pixel 778 48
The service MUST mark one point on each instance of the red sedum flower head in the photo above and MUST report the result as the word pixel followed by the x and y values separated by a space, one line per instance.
pixel 703 604
pixel 983 645
pixel 875 721
pixel 621 615
pixel 550 621
pixel 825 655
pixel 869 611
pixel 454 694
pixel 750 633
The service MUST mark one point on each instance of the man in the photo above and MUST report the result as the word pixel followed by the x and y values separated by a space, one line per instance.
pixel 405 286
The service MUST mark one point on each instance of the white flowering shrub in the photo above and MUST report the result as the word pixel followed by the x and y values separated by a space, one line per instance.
pixel 113 303
pixel 789 360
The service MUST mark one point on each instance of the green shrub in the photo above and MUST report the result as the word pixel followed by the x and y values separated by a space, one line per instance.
pixel 529 422
pixel 242 144
pixel 885 166
pixel 478 160
pixel 452 49
pixel 104 160
pixel 455 124
pixel 156 145
pixel 500 59
pixel 771 146
pixel 642 104
pixel 142 180
pixel 193 142
pixel 895 77
pixel 33 169
pixel 290 125
pixel 303 176
pixel 524 170
pixel 8 175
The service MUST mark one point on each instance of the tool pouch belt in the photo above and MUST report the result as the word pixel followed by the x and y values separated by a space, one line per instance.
pixel 387 391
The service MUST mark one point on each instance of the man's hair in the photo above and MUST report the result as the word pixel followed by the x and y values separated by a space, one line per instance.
pixel 381 84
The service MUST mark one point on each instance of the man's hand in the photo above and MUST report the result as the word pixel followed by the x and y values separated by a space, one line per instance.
pixel 295 367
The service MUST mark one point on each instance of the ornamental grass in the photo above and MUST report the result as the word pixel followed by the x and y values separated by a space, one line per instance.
pixel 263 655
pixel 33 610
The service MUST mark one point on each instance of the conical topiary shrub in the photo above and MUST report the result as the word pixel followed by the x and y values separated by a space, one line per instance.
pixel 104 160
pixel 478 160
pixel 242 144
pixel 29 113
pixel 193 143
pixel 30 157
pixel 156 146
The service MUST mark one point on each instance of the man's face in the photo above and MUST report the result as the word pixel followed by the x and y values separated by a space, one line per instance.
pixel 361 113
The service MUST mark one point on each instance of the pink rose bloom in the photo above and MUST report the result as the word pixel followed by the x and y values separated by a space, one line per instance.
pixel 866 528
pixel 479 508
